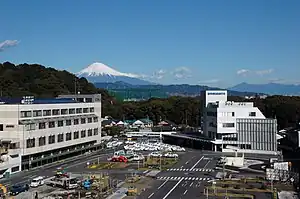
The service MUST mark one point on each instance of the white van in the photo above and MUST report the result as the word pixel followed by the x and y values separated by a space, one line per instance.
pixel 38 181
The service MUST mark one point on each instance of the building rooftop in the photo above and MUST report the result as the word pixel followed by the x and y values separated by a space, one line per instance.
pixel 6 100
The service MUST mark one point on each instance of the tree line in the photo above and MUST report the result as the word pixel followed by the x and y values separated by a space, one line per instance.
pixel 42 82
pixel 188 110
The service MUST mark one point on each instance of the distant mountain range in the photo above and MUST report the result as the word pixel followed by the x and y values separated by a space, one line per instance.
pixel 167 90
pixel 131 86
pixel 270 89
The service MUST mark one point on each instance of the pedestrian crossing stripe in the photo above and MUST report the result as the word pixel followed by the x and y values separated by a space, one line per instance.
pixel 183 169
pixel 183 178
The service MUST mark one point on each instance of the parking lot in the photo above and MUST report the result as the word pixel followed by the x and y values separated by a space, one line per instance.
pixel 179 173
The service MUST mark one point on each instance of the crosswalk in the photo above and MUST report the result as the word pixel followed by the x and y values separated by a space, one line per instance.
pixel 196 169
pixel 183 178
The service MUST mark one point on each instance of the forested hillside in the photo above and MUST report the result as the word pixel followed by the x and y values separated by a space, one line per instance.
pixel 39 81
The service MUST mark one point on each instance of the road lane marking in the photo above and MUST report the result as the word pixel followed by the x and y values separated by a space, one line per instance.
pixel 185 192
pixel 173 188
pixel 191 184
pixel 197 162
pixel 151 195
pixel 162 184
pixel 206 164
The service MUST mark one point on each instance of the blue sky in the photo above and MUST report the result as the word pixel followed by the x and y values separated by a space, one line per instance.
pixel 216 43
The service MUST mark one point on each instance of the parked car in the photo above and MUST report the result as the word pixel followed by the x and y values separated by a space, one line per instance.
pixel 171 155
pixel 18 188
pixel 155 154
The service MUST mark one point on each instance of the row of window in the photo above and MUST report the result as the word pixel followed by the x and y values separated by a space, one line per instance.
pixel 30 143
pixel 7 126
pixel 232 114
pixel 228 125
pixel 54 112
pixel 60 123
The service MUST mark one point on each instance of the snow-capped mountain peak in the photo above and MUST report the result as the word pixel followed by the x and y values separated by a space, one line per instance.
pixel 99 69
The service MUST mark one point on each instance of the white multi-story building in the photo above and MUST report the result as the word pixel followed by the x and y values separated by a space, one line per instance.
pixel 238 125
pixel 35 132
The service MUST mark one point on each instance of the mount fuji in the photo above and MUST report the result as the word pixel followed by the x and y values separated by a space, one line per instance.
pixel 101 73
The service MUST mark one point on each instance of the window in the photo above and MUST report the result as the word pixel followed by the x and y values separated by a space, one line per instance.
pixel 60 123
pixel 72 111
pixel 60 137
pixel 90 132
pixel 82 121
pixel 51 124
pixel 55 112
pixel 76 121
pixel 96 131
pixel 68 136
pixel 46 112
pixel 42 141
pixel 51 139
pixel 85 110
pixel 92 109
pixel 30 143
pixel 83 134
pixel 252 114
pixel 15 169
pixel 42 125
pixel 68 122
pixel 230 139
pixel 1 127
pixel 232 114
pixel 76 135
pixel 25 114
pixel 37 113
pixel 79 110
pixel 95 119
pixel 88 100
pixel 90 120
pixel 29 127
pixel 64 111
pixel 14 156
pixel 228 125
pixel 212 114
pixel 10 126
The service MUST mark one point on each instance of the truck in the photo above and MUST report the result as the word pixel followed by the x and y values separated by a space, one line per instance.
pixel 63 182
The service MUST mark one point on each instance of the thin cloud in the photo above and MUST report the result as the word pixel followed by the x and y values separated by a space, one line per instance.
pixel 182 72
pixel 158 74
pixel 246 72
pixel 7 44
pixel 264 72
pixel 243 72
pixel 284 81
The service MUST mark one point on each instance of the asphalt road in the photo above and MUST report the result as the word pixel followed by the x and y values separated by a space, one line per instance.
pixel 186 179
pixel 75 163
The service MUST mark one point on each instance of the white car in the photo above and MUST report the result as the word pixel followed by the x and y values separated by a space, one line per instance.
pixel 138 157
pixel 38 181
pixel 171 155
pixel 155 154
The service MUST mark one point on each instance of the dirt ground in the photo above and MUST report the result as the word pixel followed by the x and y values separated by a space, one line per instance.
pixel 142 184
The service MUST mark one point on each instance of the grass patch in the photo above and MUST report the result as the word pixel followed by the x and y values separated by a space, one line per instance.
pixel 108 165
pixel 154 163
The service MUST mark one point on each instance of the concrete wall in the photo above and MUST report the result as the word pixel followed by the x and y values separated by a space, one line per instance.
pixel 234 161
